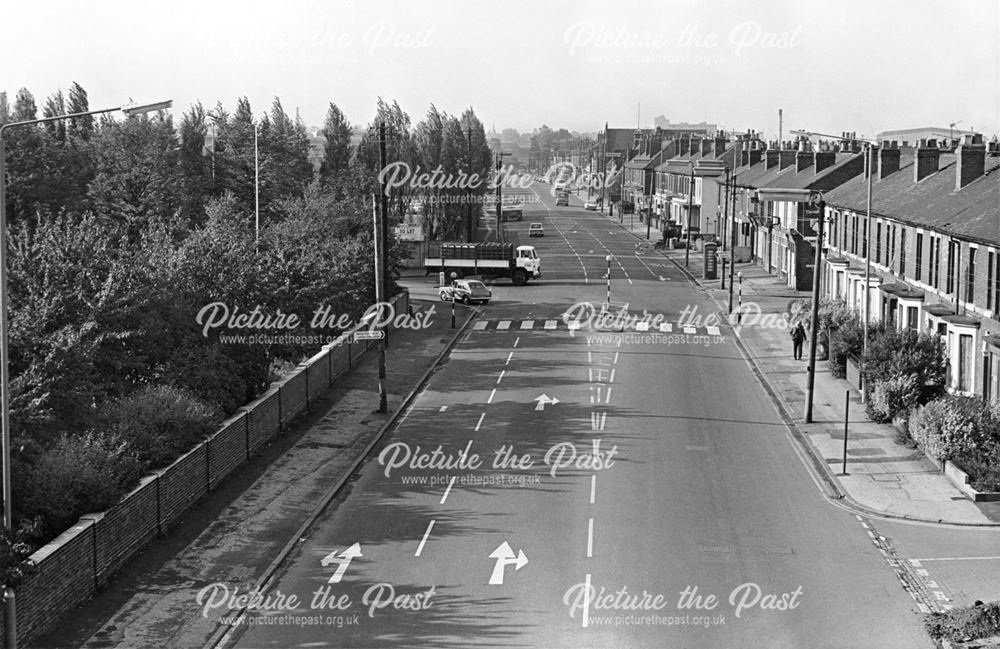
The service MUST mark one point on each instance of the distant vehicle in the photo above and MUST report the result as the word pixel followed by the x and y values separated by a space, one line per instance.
pixel 590 205
pixel 562 199
pixel 456 260
pixel 560 185
pixel 512 213
pixel 536 230
pixel 467 291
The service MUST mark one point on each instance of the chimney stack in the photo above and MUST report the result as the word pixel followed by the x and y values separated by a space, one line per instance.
pixel 720 146
pixel 888 159
pixel 824 158
pixel 786 156
pixel 706 147
pixel 684 145
pixel 926 160
pixel 771 156
pixel 971 154
pixel 804 156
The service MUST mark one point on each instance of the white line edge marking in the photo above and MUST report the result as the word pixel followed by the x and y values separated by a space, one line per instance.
pixel 480 422
pixel 420 548
pixel 590 538
pixel 448 490
pixel 492 394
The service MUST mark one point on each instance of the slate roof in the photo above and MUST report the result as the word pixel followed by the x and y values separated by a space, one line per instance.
pixel 972 212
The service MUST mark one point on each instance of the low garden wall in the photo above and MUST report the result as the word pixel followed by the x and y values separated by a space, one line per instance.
pixel 74 566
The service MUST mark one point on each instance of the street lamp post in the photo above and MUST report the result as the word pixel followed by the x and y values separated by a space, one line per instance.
pixel 10 617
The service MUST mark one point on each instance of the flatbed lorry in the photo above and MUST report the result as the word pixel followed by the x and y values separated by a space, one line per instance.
pixel 457 260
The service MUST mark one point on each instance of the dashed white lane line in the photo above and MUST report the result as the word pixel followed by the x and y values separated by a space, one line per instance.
pixel 443 408
pixel 509 356
pixel 585 620
pixel 500 378
pixel 492 394
pixel 420 548
pixel 590 538
pixel 480 422
pixel 451 483
pixel 517 340
pixel 593 488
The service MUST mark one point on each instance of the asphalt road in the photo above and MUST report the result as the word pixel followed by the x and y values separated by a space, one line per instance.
pixel 556 488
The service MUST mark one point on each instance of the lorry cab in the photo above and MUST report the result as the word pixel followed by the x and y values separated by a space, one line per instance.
pixel 527 258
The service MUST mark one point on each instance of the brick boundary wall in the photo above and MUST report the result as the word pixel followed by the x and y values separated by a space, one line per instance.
pixel 73 567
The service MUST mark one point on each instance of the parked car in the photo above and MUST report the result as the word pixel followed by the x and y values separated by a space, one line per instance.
pixel 562 199
pixel 590 205
pixel 536 230
pixel 467 291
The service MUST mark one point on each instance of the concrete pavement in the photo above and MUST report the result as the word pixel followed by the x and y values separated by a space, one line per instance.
pixel 883 478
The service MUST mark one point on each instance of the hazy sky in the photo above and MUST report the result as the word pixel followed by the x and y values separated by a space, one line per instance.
pixel 831 65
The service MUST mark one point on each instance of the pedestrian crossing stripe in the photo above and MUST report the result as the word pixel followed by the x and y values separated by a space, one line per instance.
pixel 529 324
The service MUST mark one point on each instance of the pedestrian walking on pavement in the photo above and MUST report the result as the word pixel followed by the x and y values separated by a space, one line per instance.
pixel 798 337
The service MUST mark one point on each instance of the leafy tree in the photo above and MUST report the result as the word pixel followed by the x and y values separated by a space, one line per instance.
pixel 81 127
pixel 135 178
pixel 194 167
pixel 338 149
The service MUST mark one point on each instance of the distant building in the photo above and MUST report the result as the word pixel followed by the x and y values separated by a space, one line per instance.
pixel 909 137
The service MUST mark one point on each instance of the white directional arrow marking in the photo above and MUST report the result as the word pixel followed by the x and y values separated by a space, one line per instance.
pixel 505 556
pixel 544 399
pixel 344 559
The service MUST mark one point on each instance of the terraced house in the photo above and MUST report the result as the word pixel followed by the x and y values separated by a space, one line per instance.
pixel 934 250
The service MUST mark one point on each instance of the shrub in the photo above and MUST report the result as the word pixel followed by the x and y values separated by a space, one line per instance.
pixel 15 550
pixel 893 353
pixel 160 423
pixel 983 470
pixel 80 474
pixel 892 396
pixel 965 623
pixel 954 426
pixel 846 340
